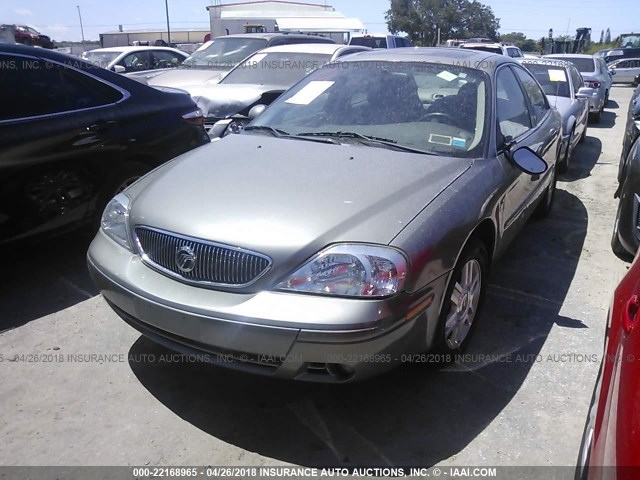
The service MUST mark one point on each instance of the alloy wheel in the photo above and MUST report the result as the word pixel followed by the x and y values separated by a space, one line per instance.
pixel 465 299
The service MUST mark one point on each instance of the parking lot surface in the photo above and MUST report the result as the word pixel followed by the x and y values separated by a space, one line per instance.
pixel 80 387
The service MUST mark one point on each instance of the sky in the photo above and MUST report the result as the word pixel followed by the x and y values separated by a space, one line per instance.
pixel 534 18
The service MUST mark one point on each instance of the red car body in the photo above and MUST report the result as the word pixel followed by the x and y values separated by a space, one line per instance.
pixel 611 445
pixel 30 36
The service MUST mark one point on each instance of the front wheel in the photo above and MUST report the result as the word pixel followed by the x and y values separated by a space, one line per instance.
pixel 463 299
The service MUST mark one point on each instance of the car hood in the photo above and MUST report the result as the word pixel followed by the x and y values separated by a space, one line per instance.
pixel 181 77
pixel 290 198
pixel 223 100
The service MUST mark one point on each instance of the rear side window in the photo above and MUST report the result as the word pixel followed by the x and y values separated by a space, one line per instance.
pixel 33 87
pixel 514 53
pixel 86 92
pixel 536 96
pixel 136 61
pixel 576 79
pixel 371 42
pixel 165 59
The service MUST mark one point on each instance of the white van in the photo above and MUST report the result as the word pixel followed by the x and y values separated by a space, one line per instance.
pixel 380 41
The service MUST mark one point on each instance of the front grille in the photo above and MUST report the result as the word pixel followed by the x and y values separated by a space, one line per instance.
pixel 199 261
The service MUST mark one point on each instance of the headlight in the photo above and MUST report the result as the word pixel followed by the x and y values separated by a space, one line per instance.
pixel 351 270
pixel 234 127
pixel 115 220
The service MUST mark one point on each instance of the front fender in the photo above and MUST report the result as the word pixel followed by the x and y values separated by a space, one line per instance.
pixel 436 236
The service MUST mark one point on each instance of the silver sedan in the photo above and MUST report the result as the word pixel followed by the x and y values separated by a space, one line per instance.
pixel 350 226
pixel 565 90
pixel 626 70
pixel 596 75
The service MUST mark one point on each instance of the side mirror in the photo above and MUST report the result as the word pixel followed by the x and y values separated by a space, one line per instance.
pixel 585 92
pixel 119 69
pixel 256 111
pixel 528 161
pixel 219 128
pixel 612 71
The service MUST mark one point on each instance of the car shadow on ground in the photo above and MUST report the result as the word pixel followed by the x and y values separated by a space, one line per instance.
pixel 607 120
pixel 40 278
pixel 612 104
pixel 414 415
pixel 584 158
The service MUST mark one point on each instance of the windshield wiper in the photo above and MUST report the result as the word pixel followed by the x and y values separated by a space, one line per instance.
pixel 275 131
pixel 366 138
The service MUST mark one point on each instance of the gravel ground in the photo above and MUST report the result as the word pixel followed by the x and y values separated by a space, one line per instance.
pixel 519 398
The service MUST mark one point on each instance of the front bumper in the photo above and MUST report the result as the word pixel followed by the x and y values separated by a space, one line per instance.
pixel 285 335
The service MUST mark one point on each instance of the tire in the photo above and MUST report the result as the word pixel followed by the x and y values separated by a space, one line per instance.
pixel 546 204
pixel 126 175
pixel 606 100
pixel 584 134
pixel 616 245
pixel 467 285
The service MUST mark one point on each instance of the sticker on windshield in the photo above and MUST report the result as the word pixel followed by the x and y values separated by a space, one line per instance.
pixel 310 92
pixel 448 76
pixel 440 139
pixel 557 76
pixel 458 142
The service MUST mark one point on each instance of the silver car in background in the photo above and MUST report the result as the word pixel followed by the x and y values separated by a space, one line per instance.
pixel 262 78
pixel 626 70
pixel 347 228
pixel 564 87
pixel 135 59
pixel 596 75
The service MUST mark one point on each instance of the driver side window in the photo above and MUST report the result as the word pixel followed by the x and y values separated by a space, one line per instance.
pixel 512 111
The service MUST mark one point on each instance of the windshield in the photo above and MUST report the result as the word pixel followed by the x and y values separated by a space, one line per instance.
pixel 102 59
pixel 433 108
pixel 553 79
pixel 225 53
pixel 630 40
pixel 371 42
pixel 282 69
pixel 483 48
pixel 584 65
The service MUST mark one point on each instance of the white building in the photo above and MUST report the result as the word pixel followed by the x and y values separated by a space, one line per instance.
pixel 121 37
pixel 281 16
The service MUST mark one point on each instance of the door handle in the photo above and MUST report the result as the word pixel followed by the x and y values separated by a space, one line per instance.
pixel 102 126
pixel 630 314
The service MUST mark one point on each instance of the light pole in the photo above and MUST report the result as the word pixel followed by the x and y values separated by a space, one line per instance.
pixel 166 6
pixel 81 27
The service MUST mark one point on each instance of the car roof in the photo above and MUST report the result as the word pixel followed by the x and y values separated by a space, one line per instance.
pixel 268 36
pixel 131 49
pixel 475 59
pixel 360 35
pixel 327 48
pixel 482 44
pixel 569 55
pixel 544 61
